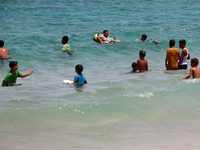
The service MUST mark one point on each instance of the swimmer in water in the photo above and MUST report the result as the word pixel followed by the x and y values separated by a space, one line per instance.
pixel 144 37
pixel 105 38
pixel 3 52
pixel 66 47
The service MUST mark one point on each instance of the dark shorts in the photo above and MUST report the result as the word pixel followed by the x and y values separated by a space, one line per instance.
pixel 70 53
pixel 182 66
pixel 6 59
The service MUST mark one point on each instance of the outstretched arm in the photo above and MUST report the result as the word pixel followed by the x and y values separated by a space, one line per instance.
pixel 25 75
pixel 190 74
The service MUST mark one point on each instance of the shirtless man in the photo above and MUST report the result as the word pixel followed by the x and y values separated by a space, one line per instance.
pixel 194 71
pixel 105 39
pixel 3 52
pixel 142 63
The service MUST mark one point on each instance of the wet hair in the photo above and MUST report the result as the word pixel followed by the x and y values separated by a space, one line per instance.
pixel 182 41
pixel 134 64
pixel 65 38
pixel 195 61
pixel 105 31
pixel 1 43
pixel 144 36
pixel 79 68
pixel 142 54
pixel 172 42
pixel 12 63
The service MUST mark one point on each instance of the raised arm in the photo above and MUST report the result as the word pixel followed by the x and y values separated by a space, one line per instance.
pixel 25 75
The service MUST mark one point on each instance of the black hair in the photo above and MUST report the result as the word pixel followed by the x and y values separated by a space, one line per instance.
pixel 79 68
pixel 142 54
pixel 144 36
pixel 182 41
pixel 1 43
pixel 105 31
pixel 195 60
pixel 134 64
pixel 12 63
pixel 172 42
pixel 65 38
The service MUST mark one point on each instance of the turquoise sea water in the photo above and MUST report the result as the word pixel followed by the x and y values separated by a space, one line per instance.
pixel 154 110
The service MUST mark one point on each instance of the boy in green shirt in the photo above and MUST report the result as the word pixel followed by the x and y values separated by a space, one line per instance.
pixel 11 77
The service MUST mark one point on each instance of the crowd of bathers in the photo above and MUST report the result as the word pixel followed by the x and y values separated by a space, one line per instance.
pixel 174 60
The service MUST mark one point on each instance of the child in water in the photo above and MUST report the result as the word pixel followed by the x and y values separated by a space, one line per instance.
pixel 135 67
pixel 66 47
pixel 79 79
pixel 194 71
pixel 143 37
pixel 3 52
pixel 142 63
pixel 11 77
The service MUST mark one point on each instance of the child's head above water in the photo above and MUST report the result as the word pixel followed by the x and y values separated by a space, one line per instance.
pixel 65 39
pixel 79 68
pixel 134 66
pixel 143 37
pixel 142 54
pixel 194 62
pixel 12 64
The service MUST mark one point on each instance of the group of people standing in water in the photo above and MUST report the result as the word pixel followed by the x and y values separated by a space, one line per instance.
pixel 177 60
pixel 174 60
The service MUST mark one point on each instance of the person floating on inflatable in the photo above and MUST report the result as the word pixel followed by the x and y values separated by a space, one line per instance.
pixel 104 39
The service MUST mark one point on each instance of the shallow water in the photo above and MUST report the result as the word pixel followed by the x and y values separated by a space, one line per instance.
pixel 115 110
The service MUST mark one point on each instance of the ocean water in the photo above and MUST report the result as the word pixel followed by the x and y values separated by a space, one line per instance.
pixel 155 110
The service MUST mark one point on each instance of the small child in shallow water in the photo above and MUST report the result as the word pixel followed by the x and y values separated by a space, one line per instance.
pixel 194 71
pixel 142 63
pixel 79 79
